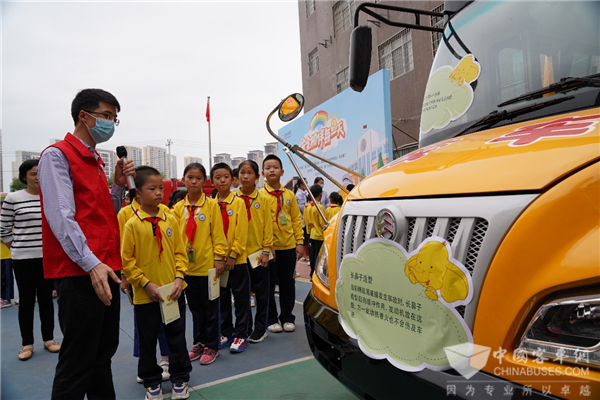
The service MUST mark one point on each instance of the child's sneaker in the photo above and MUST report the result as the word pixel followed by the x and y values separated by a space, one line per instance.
pixel 209 356
pixel 5 304
pixel 257 336
pixel 275 328
pixel 139 380
pixel 196 351
pixel 180 391
pixel 289 327
pixel 225 341
pixel 238 345
pixel 165 367
pixel 154 393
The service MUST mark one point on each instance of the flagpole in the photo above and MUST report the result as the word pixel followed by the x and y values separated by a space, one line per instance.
pixel 209 145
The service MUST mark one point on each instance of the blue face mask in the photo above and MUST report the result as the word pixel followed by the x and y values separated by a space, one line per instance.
pixel 103 130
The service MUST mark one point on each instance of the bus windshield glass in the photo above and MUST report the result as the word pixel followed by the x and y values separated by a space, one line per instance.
pixel 494 52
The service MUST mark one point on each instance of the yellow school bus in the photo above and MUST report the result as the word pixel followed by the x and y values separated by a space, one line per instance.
pixel 470 268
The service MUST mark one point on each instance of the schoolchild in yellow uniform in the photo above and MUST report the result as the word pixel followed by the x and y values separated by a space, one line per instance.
pixel 315 224
pixel 153 255
pixel 235 224
pixel 260 237
pixel 125 215
pixel 336 200
pixel 206 246
pixel 288 242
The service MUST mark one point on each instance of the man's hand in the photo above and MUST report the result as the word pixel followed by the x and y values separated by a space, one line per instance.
pixel 99 275
pixel 153 293
pixel 122 171
pixel 177 289
pixel 299 251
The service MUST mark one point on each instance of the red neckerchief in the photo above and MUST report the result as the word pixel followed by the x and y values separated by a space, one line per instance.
pixel 156 231
pixel 248 204
pixel 224 216
pixel 279 204
pixel 190 228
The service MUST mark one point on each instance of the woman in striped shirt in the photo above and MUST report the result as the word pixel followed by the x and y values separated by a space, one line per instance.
pixel 21 230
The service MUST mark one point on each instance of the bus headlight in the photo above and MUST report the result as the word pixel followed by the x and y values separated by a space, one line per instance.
pixel 566 330
pixel 322 267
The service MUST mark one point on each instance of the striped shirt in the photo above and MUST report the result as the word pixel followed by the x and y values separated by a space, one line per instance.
pixel 21 223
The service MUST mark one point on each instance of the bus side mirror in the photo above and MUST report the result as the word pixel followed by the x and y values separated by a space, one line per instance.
pixel 290 107
pixel 360 57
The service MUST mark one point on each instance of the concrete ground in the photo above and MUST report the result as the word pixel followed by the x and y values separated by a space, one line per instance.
pixel 281 367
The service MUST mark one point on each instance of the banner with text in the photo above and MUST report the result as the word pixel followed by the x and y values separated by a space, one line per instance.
pixel 352 129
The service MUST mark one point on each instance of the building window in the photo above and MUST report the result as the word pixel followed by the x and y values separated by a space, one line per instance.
pixel 341 80
pixel 342 16
pixel 396 54
pixel 437 22
pixel 313 62
pixel 310 7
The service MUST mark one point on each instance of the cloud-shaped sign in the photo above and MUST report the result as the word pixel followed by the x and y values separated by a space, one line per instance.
pixel 393 315
pixel 449 94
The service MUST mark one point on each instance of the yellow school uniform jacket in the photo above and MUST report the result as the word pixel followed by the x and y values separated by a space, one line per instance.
pixel 140 254
pixel 331 211
pixel 287 232
pixel 209 242
pixel 5 255
pixel 260 225
pixel 315 223
pixel 237 232
pixel 127 212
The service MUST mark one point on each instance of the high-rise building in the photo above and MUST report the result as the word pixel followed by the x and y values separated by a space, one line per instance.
pixel 236 161
pixel 271 148
pixel 325 28
pixel 110 160
pixel 222 158
pixel 156 157
pixel 136 154
pixel 20 156
pixel 188 160
pixel 256 155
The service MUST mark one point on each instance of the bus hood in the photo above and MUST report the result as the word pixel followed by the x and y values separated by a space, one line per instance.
pixel 520 157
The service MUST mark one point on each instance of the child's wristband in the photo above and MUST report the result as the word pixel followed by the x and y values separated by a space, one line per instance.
pixel 145 284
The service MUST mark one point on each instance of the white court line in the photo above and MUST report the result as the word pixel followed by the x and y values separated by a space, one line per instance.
pixel 258 371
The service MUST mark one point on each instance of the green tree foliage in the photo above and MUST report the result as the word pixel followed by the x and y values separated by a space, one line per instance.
pixel 16 184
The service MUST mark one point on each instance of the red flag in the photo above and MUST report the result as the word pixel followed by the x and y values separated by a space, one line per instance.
pixel 207 112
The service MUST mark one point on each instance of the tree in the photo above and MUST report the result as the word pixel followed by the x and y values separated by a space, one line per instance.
pixel 16 184
pixel 379 161
pixel 111 180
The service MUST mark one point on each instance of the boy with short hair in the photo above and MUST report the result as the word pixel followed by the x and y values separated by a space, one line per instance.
pixel 288 242
pixel 235 226
pixel 154 255
pixel 314 225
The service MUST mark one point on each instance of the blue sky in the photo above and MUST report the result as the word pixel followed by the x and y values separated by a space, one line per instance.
pixel 160 59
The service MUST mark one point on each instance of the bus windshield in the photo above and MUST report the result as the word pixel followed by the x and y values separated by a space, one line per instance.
pixel 493 52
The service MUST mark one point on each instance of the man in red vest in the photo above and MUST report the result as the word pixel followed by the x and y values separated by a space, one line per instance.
pixel 80 240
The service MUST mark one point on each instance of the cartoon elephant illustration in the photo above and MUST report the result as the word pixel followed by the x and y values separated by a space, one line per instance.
pixel 466 71
pixel 432 268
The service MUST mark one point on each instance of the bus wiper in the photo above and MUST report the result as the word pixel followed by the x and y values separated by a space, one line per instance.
pixel 564 85
pixel 496 116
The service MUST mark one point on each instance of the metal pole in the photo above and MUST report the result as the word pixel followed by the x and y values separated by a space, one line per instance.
pixel 169 142
pixel 287 151
pixel 209 145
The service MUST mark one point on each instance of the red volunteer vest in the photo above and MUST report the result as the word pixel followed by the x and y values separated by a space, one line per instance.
pixel 94 213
